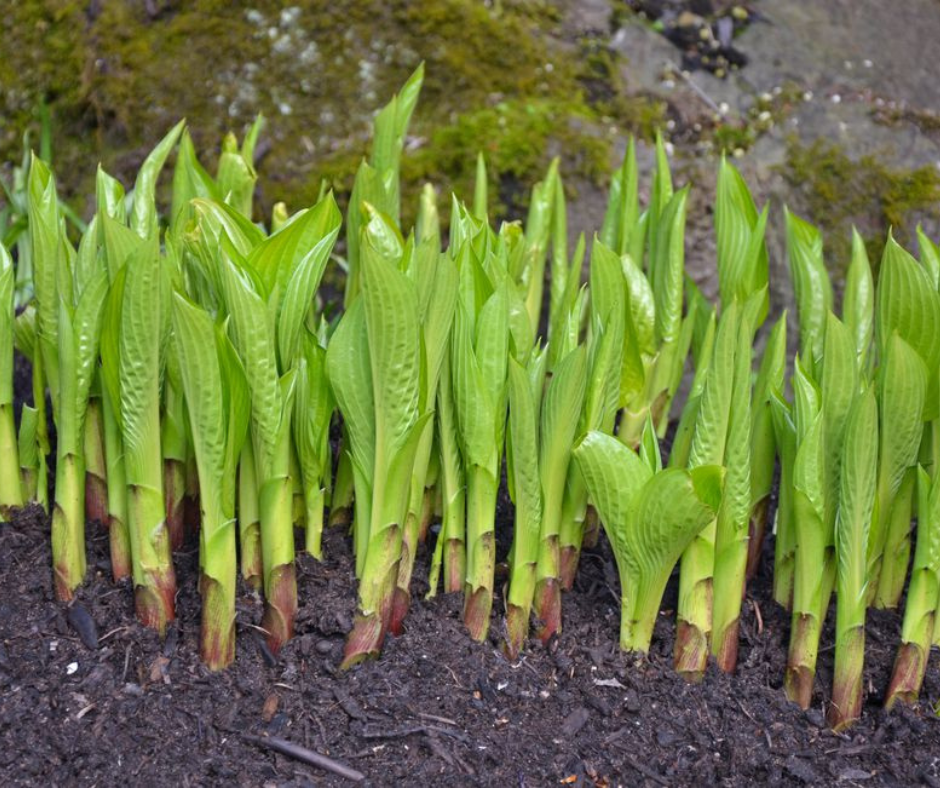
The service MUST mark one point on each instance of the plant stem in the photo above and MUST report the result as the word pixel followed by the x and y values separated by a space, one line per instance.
pixel 11 493
pixel 249 525
pixel 277 545
pixel 482 488
pixel 695 606
pixel 68 524
pixel 96 468
pixel 118 536
pixel 846 706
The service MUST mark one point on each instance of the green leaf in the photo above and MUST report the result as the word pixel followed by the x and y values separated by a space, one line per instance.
pixel 350 373
pixel 671 509
pixel 859 461
pixel 858 304
pixel 909 304
pixel 929 256
pixel 144 213
pixel 614 476
pixel 669 268
pixel 141 334
pixel 304 279
pixel 739 231
pixel 254 340
pixel 811 285
pixel 391 314
pixel 902 391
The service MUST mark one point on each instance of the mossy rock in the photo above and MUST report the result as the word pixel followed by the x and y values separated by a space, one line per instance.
pixel 117 75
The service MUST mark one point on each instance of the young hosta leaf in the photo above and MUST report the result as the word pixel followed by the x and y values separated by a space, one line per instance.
pixel 46 247
pixel 236 175
pixel 902 396
pixel 304 279
pixel 902 393
pixel 144 213
pixel 194 336
pixel 139 341
pixel 670 509
pixel 669 268
pixel 389 130
pixel 623 208
pixel 255 342
pixel 110 198
pixel 711 426
pixel 302 245
pixel 522 452
pixel 929 256
pixel 641 305
pixel 858 304
pixel 190 181
pixel 649 518
pixel 811 285
pixel 739 230
pixel 909 304
pixel 856 502
pixel 350 373
pixel 769 381
pixel 839 388
pixel 661 193
pixel 391 314
pixel 649 447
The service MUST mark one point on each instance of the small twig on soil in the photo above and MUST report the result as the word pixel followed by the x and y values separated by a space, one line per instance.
pixel 106 635
pixel 304 755
pixel 426 730
pixel 649 773
pixel 432 717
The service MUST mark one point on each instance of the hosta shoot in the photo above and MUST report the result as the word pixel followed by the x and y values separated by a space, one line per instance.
pixel 649 517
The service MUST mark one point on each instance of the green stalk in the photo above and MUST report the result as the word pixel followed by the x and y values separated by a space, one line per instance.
pixel 452 536
pixel 732 526
pixel 814 573
pixel 11 494
pixel 118 536
pixel 175 450
pixel 216 391
pixel 564 398
pixel 708 448
pixel 96 466
pixel 341 501
pixel 571 537
pixel 897 550
pixel 784 526
pixel 763 441
pixel 856 500
pixel 482 488
pixel 140 287
pixel 79 330
pixel 923 597
pixel 29 453
pixel 522 458
pixel 249 519
pixel 275 505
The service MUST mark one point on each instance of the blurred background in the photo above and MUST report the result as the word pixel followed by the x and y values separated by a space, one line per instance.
pixel 830 107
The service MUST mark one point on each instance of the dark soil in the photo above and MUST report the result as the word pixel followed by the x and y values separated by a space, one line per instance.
pixel 436 709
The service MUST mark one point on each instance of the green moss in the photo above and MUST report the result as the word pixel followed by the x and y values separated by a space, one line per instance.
pixel 838 192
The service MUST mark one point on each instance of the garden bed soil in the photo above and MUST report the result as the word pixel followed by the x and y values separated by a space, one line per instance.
pixel 436 709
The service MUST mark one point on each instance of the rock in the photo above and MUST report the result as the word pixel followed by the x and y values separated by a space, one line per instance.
pixel 574 722
pixel 80 620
